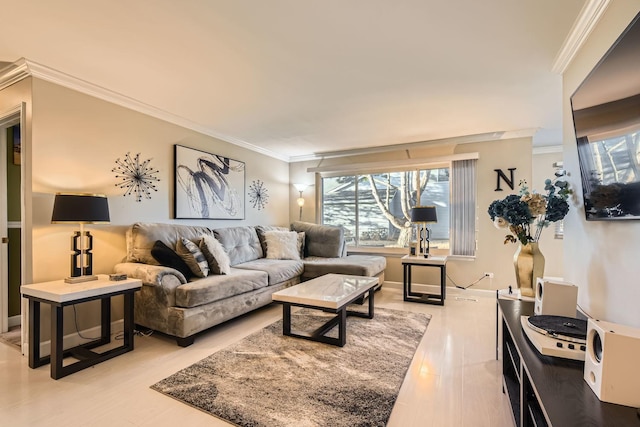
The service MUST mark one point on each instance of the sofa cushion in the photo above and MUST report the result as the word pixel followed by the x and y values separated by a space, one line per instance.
pixel 357 265
pixel 217 287
pixel 261 229
pixel 144 235
pixel 282 245
pixel 167 257
pixel 193 256
pixel 321 240
pixel 278 270
pixel 216 256
pixel 241 243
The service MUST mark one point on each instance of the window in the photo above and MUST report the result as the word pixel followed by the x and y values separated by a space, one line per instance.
pixel 375 208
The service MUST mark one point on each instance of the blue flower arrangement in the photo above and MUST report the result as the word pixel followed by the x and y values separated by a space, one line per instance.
pixel 527 212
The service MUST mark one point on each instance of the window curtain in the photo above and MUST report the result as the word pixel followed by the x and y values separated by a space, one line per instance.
pixel 463 207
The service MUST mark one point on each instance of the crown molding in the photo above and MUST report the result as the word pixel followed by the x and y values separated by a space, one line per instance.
pixel 24 68
pixel 13 73
pixel 455 140
pixel 547 149
pixel 585 22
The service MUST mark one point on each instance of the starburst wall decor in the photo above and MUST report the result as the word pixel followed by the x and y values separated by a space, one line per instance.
pixel 258 194
pixel 136 178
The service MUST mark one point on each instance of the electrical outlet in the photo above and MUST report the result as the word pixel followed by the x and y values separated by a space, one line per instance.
pixel 489 275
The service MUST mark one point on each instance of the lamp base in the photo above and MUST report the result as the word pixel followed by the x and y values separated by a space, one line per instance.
pixel 80 279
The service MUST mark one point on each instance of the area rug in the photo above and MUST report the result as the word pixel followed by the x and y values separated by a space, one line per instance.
pixel 271 380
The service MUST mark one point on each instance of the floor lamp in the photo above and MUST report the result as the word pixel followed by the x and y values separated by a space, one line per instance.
pixel 423 215
pixel 81 209
pixel 300 200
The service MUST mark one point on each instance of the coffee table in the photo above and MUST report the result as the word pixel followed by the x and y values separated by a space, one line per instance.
pixel 331 293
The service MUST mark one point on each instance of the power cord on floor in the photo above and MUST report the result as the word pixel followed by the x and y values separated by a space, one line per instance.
pixel 119 336
pixel 147 333
pixel 469 285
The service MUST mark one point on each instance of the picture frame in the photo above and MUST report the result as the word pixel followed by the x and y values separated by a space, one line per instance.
pixel 207 185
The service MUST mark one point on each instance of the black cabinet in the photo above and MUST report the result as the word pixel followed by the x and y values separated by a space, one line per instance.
pixel 549 391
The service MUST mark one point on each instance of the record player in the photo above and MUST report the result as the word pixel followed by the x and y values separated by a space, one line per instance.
pixel 556 336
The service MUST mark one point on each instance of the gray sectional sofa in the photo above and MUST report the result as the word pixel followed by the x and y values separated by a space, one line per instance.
pixel 181 307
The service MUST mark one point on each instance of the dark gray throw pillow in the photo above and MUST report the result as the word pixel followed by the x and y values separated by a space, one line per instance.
pixel 169 258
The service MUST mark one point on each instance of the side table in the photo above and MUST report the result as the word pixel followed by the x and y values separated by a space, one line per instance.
pixel 59 294
pixel 409 261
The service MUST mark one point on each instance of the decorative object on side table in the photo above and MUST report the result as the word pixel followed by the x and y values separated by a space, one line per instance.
pixel 422 215
pixel 136 178
pixel 526 213
pixel 81 209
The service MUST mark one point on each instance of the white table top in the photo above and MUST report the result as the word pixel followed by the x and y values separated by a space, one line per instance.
pixel 420 259
pixel 328 291
pixel 59 291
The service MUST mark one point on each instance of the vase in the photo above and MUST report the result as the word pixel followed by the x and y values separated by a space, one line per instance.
pixel 529 265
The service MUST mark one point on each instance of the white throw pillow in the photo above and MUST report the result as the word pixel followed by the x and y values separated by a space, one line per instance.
pixel 282 245
pixel 216 256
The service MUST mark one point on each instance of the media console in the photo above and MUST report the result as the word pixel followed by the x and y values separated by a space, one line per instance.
pixel 549 391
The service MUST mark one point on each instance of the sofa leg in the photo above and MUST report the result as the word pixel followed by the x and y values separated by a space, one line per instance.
pixel 185 342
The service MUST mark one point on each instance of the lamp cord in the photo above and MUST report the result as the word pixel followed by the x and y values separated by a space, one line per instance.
pixel 468 286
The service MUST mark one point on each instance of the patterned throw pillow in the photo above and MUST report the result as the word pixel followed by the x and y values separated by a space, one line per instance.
pixel 282 245
pixel 169 258
pixel 193 256
pixel 215 254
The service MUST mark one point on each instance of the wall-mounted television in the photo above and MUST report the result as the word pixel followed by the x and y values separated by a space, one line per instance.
pixel 606 117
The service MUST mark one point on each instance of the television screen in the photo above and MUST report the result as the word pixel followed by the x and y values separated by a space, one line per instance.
pixel 606 116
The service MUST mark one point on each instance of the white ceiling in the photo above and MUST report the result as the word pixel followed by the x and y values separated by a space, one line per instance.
pixel 297 77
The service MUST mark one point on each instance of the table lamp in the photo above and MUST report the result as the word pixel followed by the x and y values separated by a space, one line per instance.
pixel 422 215
pixel 80 208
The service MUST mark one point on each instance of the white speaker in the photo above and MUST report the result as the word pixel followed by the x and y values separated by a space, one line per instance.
pixel 611 362
pixel 555 297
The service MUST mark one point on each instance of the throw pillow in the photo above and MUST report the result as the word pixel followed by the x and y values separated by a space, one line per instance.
pixel 193 256
pixel 216 256
pixel 167 257
pixel 301 238
pixel 282 245
pixel 261 229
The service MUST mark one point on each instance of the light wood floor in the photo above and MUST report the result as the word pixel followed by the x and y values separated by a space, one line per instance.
pixel 454 379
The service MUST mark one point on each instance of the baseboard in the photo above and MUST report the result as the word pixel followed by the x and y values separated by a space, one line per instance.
pixel 435 289
pixel 14 321
pixel 74 339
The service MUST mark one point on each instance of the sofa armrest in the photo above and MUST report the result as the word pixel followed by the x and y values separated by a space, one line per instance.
pixel 151 275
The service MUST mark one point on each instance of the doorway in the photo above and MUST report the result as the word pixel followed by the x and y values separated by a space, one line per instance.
pixel 10 223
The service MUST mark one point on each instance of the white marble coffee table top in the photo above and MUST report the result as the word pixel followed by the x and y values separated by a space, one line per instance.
pixel 328 291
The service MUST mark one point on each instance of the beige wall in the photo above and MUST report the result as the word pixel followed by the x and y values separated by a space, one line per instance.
pixel 601 257
pixel 492 255
pixel 76 140
pixel 72 144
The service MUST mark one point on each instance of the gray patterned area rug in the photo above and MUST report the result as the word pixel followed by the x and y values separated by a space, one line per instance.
pixel 271 380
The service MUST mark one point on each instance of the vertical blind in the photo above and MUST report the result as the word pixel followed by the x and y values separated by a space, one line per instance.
pixel 463 208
